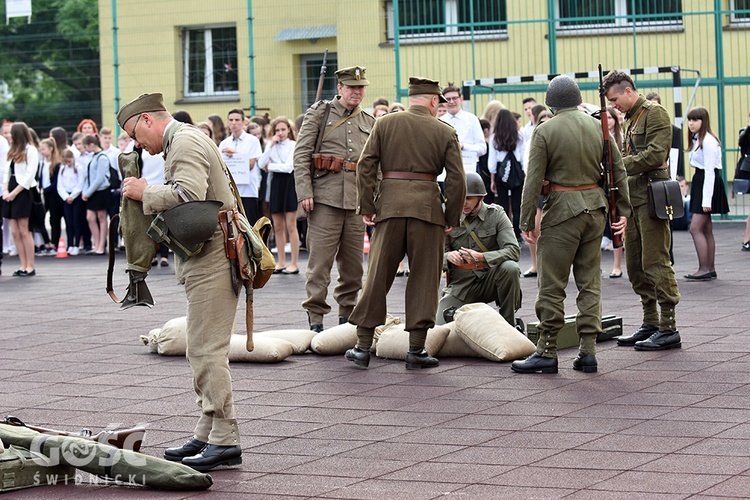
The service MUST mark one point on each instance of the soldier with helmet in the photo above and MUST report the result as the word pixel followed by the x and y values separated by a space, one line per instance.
pixel 481 258
pixel 565 157
pixel 330 141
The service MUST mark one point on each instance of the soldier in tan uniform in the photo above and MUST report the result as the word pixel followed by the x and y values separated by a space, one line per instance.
pixel 409 149
pixel 327 191
pixel 194 171
pixel 567 152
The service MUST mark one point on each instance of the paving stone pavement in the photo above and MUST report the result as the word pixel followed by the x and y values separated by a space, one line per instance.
pixel 672 424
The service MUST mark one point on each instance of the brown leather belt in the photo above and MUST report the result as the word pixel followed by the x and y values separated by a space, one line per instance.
pixel 560 187
pixel 410 176
pixel 479 264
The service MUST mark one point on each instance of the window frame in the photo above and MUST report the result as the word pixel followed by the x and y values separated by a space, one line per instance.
pixel 738 21
pixel 452 31
pixel 186 32
pixel 620 22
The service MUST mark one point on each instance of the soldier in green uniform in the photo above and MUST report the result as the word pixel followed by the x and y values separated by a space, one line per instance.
pixel 481 256
pixel 566 154
pixel 327 191
pixel 409 149
pixel 194 170
pixel 646 144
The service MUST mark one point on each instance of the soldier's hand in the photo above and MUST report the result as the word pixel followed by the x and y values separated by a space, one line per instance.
pixel 133 188
pixel 369 219
pixel 454 258
pixel 618 228
pixel 470 255
pixel 449 229
pixel 307 204
pixel 531 236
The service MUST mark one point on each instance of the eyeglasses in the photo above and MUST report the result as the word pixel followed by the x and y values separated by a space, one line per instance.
pixel 132 134
pixel 450 99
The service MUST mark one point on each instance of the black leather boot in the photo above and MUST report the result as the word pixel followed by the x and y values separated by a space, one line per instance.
pixel 660 341
pixel 418 358
pixel 343 320
pixel 535 363
pixel 315 327
pixel 213 456
pixel 190 448
pixel 644 332
pixel 360 357
pixel 585 363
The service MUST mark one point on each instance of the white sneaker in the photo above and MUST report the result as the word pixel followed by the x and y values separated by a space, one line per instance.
pixel 73 251
pixel 606 242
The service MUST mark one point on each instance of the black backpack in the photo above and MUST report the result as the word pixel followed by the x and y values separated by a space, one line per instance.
pixel 114 178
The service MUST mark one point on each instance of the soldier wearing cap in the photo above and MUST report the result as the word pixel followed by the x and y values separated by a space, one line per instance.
pixel 407 212
pixel 330 141
pixel 566 154
pixel 481 256
pixel 194 171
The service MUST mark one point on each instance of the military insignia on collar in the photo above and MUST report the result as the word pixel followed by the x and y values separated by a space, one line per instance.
pixel 356 74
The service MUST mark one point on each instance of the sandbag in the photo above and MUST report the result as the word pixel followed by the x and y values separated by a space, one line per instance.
pixel 389 322
pixel 300 339
pixel 267 350
pixel 487 333
pixel 335 340
pixel 454 346
pixel 172 338
pixel 150 340
pixel 394 342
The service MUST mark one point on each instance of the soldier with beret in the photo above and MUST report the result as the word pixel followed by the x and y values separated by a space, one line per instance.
pixel 407 214
pixel 481 256
pixel 194 171
pixel 646 145
pixel 566 155
pixel 330 141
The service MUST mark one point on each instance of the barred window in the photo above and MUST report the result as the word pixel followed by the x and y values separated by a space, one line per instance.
pixel 210 61
pixel 586 14
pixel 737 16
pixel 447 18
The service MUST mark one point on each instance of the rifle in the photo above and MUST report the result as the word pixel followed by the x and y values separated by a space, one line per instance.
pixel 125 439
pixel 609 174
pixel 319 92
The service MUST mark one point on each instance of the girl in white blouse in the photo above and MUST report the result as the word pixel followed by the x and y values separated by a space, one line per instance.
pixel 707 194
pixel 278 159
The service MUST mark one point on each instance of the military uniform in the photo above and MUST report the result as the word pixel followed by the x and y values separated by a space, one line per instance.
pixel 334 230
pixel 567 152
pixel 648 138
pixel 409 214
pixel 193 165
pixel 501 280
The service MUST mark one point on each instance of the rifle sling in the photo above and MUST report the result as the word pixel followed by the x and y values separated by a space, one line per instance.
pixel 470 229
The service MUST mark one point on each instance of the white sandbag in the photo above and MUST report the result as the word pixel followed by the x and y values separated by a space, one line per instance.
pixel 150 340
pixel 300 339
pixel 267 349
pixel 389 322
pixel 394 342
pixel 335 340
pixel 487 333
pixel 172 339
pixel 454 346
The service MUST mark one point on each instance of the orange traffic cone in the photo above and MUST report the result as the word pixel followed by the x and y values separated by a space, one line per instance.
pixel 61 251
pixel 367 243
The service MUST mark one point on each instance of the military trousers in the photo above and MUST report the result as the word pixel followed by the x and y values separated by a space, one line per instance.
pixel 211 310
pixel 393 238
pixel 501 284
pixel 647 243
pixel 333 233
pixel 575 242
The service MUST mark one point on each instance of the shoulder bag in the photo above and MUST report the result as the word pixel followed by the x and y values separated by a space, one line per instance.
pixel 665 200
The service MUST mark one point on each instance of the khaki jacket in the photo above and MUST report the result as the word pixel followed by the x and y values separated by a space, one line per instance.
pixel 652 138
pixel 338 190
pixel 568 150
pixel 411 141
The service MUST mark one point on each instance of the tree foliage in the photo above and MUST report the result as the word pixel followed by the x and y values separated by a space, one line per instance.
pixel 51 65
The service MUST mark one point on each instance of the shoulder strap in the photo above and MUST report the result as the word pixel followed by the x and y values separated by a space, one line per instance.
pixel 322 128
pixel 342 120
pixel 470 229
pixel 629 142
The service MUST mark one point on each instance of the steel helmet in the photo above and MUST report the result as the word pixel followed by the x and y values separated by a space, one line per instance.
pixel 563 92
pixel 186 227
pixel 475 185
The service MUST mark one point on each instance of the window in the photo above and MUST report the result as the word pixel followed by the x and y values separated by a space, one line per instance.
pixel 580 14
pixel 210 62
pixel 740 17
pixel 438 19
pixel 310 71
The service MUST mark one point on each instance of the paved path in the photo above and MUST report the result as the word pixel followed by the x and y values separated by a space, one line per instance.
pixel 648 425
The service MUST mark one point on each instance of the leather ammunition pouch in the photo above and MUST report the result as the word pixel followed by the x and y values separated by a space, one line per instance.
pixel 246 247
pixel 332 163
pixel 186 227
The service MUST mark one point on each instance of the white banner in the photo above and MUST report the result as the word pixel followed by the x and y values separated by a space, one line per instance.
pixel 17 8
pixel 239 165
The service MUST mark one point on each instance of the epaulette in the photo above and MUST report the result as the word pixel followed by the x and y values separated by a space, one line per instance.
pixel 367 113
pixel 317 104
pixel 647 104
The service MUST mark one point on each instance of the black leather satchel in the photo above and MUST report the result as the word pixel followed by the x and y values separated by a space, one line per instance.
pixel 665 200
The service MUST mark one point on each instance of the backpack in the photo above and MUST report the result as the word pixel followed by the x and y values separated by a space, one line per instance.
pixel 114 178
pixel 510 172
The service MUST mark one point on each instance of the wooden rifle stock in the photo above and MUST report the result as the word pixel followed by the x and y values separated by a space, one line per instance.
pixel 609 173
pixel 319 92
pixel 124 439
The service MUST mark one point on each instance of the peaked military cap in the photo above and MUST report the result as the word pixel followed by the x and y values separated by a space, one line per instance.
pixel 354 76
pixel 419 85
pixel 144 103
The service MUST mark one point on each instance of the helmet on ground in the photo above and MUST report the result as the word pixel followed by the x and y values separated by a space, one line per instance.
pixel 475 185
pixel 563 92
